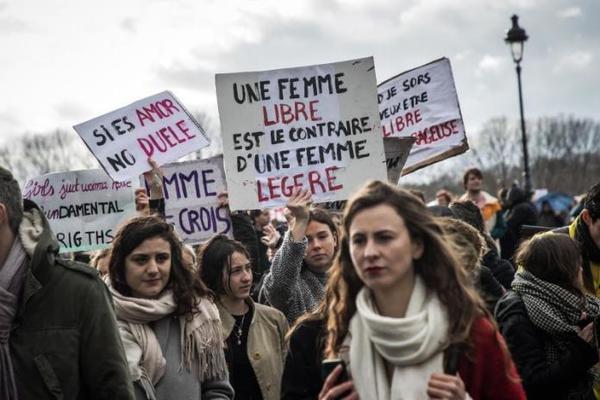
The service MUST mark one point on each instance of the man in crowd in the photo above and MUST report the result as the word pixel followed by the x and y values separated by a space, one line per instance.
pixel 519 211
pixel 58 333
pixel 586 231
pixel 488 204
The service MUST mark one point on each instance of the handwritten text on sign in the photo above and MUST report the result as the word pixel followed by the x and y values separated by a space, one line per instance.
pixel 158 126
pixel 314 127
pixel 191 203
pixel 83 208
pixel 422 103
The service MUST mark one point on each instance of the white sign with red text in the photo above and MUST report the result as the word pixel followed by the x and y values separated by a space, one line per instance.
pixel 157 127
pixel 314 127
pixel 423 103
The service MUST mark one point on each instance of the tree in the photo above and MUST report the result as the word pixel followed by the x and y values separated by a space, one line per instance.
pixel 496 147
pixel 213 133
pixel 32 155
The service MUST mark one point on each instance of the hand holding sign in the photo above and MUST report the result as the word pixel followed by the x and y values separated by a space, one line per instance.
pixel 142 202
pixel 154 179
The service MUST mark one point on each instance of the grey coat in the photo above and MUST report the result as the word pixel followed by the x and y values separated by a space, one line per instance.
pixel 290 286
pixel 180 384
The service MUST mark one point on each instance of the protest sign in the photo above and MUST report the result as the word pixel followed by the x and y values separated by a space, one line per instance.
pixel 422 103
pixel 84 208
pixel 190 190
pixel 314 127
pixel 158 126
pixel 397 150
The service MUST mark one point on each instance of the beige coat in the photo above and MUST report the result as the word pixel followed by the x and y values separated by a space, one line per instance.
pixel 266 345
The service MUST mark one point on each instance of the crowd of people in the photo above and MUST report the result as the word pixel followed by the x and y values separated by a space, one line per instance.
pixel 388 299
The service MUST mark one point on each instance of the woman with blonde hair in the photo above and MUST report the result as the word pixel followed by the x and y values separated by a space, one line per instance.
pixel 402 314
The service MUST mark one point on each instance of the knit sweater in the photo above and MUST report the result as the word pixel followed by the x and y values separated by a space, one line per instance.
pixel 290 286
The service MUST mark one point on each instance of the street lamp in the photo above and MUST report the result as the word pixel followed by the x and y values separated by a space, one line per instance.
pixel 516 38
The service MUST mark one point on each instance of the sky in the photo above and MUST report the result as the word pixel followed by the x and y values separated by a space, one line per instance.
pixel 65 62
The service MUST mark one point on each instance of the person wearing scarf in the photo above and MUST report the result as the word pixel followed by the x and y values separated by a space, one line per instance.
pixel 585 229
pixel 402 314
pixel 547 321
pixel 58 334
pixel 169 325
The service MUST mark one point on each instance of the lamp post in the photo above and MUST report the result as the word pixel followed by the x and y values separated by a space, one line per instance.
pixel 516 38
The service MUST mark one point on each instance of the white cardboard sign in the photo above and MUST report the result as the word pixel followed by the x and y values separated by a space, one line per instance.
pixel 84 208
pixel 423 103
pixel 191 190
pixel 314 127
pixel 158 126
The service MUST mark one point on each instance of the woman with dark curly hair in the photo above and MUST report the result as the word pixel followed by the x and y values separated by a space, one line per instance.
pixel 168 322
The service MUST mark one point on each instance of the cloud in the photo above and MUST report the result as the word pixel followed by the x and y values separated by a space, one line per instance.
pixel 128 25
pixel 7 117
pixel 489 65
pixel 12 25
pixel 575 61
pixel 571 12
pixel 193 77
pixel 71 111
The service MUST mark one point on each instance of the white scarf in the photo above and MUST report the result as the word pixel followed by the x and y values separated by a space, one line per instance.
pixel 201 338
pixel 413 345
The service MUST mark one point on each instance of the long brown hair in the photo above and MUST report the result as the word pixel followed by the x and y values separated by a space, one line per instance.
pixel 187 287
pixel 438 267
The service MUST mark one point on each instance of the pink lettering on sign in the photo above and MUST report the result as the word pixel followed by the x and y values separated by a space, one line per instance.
pixel 285 113
pixel 156 111
pixel 165 138
pixel 317 181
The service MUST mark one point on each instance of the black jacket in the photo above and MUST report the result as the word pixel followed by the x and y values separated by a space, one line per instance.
pixel 521 212
pixel 302 371
pixel 502 269
pixel 526 344
pixel 489 288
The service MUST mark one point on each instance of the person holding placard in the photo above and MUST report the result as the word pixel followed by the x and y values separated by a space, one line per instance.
pixel 296 281
pixel 255 344
pixel 58 335
pixel 169 324
pixel 400 313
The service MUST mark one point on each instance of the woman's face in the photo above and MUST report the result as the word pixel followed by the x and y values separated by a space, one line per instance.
pixel 381 248
pixel 102 266
pixel 321 246
pixel 148 267
pixel 238 281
